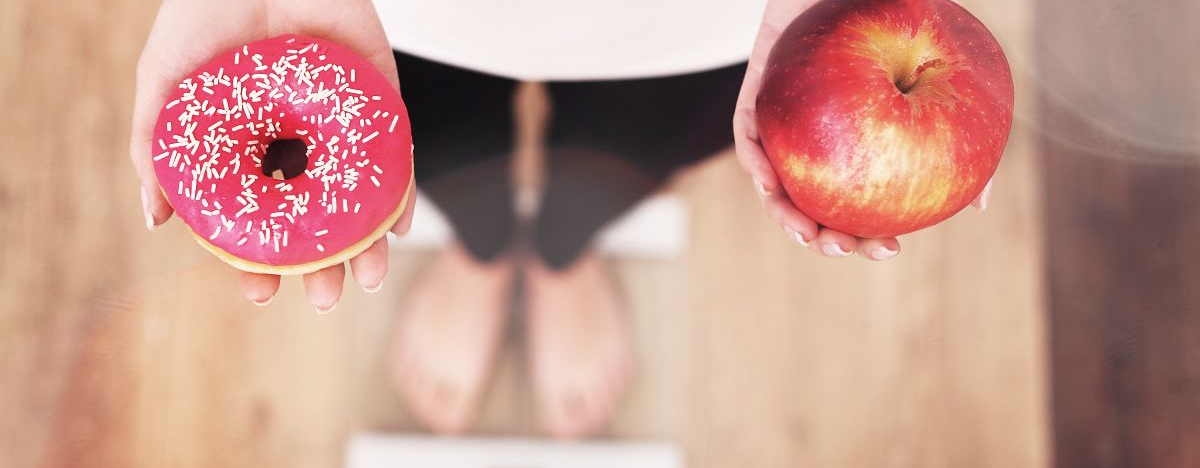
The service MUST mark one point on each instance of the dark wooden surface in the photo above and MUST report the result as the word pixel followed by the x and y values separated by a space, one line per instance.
pixel 1120 102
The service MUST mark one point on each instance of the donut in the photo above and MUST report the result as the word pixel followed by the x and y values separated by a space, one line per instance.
pixel 214 135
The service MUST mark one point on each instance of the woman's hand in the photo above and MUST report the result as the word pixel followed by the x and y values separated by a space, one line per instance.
pixel 188 33
pixel 801 228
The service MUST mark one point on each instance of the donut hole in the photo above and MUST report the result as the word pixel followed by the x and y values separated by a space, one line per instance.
pixel 285 159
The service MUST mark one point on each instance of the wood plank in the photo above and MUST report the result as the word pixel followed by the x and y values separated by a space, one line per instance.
pixel 1121 106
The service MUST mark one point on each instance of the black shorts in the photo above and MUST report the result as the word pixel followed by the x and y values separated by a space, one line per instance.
pixel 610 143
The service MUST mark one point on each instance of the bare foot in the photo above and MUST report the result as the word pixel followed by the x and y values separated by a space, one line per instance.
pixel 579 349
pixel 445 343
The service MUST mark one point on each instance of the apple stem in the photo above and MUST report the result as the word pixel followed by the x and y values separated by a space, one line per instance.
pixel 910 81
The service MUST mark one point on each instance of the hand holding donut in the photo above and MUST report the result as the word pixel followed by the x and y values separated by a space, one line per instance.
pixel 187 35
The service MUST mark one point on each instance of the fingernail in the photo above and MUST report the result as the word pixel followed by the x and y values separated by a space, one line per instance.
pixel 264 302
pixel 795 236
pixel 883 253
pixel 373 289
pixel 834 250
pixel 321 311
pixel 983 197
pixel 762 190
pixel 146 210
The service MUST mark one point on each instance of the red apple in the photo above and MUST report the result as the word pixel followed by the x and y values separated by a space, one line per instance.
pixel 882 117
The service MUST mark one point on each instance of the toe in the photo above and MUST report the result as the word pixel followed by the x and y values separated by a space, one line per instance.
pixel 447 414
pixel 572 416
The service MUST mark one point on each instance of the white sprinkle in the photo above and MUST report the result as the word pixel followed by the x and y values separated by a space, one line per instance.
pixel 376 168
pixel 242 240
pixel 375 181
pixel 214 234
pixel 244 210
pixel 285 238
pixel 162 155
pixel 357 206
pixel 369 137
pixel 392 127
pixel 351 75
pixel 320 247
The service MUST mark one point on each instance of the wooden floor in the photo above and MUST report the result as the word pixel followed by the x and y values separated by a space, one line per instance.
pixel 122 348
pixel 1122 170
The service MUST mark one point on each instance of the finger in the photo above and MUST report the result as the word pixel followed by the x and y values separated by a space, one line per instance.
pixel 258 288
pixel 835 244
pixel 404 223
pixel 750 154
pixel 878 249
pixel 795 224
pixel 324 287
pixel 749 151
pixel 152 89
pixel 981 201
pixel 370 267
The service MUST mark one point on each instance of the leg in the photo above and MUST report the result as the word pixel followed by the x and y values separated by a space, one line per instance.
pixel 463 132
pixel 614 142
pixel 446 341
pixel 611 144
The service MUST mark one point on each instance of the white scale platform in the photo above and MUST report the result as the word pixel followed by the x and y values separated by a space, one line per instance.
pixel 394 451
pixel 657 228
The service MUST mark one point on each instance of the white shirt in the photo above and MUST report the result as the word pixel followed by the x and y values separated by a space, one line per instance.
pixel 575 39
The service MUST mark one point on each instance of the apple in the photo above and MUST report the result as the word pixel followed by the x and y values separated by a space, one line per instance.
pixel 883 117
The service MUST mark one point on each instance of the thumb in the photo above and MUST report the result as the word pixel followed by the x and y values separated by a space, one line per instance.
pixel 151 91
pixel 981 202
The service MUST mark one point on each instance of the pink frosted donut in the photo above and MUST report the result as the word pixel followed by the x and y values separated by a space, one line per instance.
pixel 212 136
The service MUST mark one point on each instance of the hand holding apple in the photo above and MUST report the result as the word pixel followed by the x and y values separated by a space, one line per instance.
pixel 875 117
